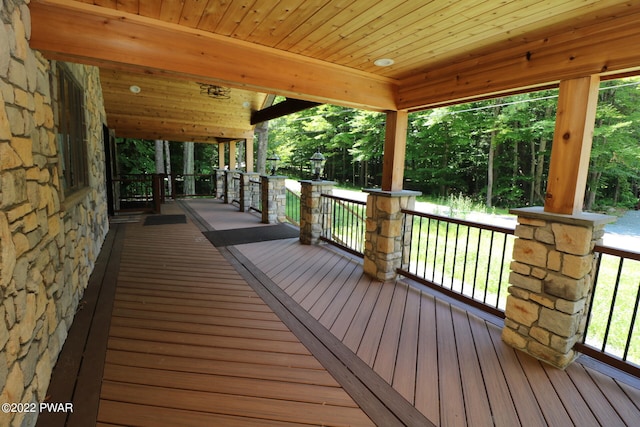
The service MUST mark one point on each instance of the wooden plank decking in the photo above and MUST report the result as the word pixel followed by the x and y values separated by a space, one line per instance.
pixel 191 343
pixel 277 333
pixel 447 361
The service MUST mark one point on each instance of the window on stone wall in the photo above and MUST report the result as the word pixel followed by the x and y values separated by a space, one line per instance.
pixel 72 146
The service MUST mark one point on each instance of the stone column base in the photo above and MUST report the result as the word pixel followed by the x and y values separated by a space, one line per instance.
pixel 385 236
pixel 314 217
pixel 551 282
pixel 274 199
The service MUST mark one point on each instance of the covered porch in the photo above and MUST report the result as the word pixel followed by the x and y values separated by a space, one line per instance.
pixel 280 333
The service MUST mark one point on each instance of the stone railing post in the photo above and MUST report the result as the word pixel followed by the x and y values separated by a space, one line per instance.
pixel 274 199
pixel 385 237
pixel 220 183
pixel 551 282
pixel 315 216
pixel 246 190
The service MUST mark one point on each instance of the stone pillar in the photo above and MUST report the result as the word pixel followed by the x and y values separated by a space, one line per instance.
pixel 246 190
pixel 551 282
pixel 315 217
pixel 274 199
pixel 220 183
pixel 385 238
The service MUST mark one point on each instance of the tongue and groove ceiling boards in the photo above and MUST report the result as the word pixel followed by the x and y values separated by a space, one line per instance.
pixel 325 51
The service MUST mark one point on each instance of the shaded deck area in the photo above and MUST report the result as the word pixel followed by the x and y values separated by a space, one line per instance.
pixel 277 333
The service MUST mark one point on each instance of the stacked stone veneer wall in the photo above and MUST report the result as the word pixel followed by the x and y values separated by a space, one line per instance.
pixel 48 244
pixel 315 212
pixel 551 282
pixel 274 198
pixel 385 237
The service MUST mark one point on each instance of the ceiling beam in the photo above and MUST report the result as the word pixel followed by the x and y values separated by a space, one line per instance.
pixel 75 31
pixel 286 107
pixel 128 126
pixel 604 47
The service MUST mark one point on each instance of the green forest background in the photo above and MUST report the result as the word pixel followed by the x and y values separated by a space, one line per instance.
pixel 495 152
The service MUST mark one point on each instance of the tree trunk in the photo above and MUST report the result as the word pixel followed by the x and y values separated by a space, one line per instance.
pixel 539 196
pixel 262 130
pixel 167 158
pixel 159 157
pixel 591 190
pixel 532 170
pixel 189 182
pixel 492 148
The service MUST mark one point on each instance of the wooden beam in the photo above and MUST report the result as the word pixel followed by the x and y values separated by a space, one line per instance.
pixel 232 155
pixel 221 153
pixel 75 31
pixel 171 130
pixel 571 148
pixel 288 106
pixel 603 47
pixel 395 142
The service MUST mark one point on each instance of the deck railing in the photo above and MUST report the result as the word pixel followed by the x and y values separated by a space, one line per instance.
pixel 292 207
pixel 255 185
pixel 463 259
pixel 138 192
pixel 235 188
pixel 347 227
pixel 190 185
pixel 612 332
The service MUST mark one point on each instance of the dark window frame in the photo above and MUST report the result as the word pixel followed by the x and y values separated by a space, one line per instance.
pixel 71 136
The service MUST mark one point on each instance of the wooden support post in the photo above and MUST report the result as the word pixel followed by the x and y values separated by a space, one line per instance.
pixel 571 149
pixel 395 142
pixel 248 154
pixel 221 162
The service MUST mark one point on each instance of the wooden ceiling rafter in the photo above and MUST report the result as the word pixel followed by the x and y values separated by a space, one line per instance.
pixel 284 108
pixel 323 50
pixel 139 44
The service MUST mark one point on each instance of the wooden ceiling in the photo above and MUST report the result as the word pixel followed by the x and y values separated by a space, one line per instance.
pixel 324 50
pixel 175 110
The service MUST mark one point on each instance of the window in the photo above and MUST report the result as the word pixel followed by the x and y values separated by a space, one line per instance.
pixel 71 132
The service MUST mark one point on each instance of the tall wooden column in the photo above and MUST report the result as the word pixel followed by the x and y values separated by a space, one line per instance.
pixel 571 149
pixel 248 154
pixel 395 143
pixel 221 153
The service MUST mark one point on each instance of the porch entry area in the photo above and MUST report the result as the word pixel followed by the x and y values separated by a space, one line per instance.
pixel 278 333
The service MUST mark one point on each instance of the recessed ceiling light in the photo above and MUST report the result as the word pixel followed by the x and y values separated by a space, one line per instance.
pixel 134 89
pixel 384 62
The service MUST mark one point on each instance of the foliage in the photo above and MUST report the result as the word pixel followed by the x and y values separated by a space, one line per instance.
pixel 137 156
pixel 448 149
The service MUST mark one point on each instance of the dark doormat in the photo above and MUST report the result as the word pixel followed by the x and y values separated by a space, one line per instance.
pixel 239 236
pixel 165 219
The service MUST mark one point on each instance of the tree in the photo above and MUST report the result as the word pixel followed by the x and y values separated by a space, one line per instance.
pixel 188 168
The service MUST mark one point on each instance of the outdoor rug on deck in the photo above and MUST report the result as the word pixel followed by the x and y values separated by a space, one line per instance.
pixel 239 236
pixel 165 219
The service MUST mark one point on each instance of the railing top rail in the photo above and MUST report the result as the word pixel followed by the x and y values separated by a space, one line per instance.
pixel 342 199
pixel 473 224
pixel 622 253
pixel 193 174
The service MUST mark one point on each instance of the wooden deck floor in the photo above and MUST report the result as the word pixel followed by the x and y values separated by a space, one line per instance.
pixel 277 333
pixel 445 360
pixel 191 343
